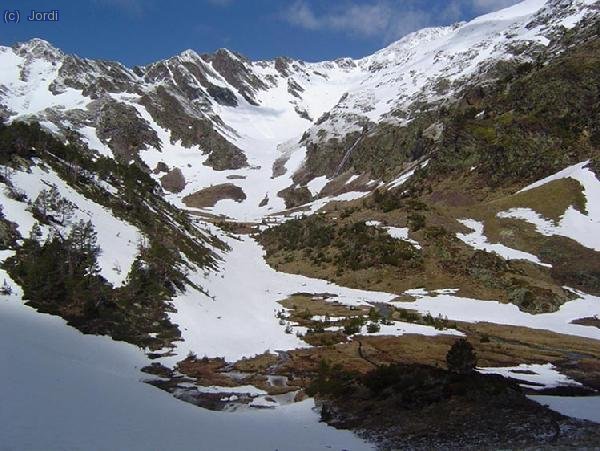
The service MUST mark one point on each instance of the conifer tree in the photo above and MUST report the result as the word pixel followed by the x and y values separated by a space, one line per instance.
pixel 461 358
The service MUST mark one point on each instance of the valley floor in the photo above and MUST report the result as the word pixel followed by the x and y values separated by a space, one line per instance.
pixel 57 374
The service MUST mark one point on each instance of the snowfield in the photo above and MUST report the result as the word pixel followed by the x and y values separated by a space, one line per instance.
pixel 238 318
pixel 398 233
pixel 117 239
pixel 243 301
pixel 62 390
pixel 475 310
pixel 289 102
pixel 534 375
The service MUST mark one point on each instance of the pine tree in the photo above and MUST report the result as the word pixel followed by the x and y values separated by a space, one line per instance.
pixel 36 233
pixel 50 204
pixel 461 358
pixel 42 203
pixel 83 249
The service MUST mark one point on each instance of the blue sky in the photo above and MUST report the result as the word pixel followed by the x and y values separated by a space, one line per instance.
pixel 142 31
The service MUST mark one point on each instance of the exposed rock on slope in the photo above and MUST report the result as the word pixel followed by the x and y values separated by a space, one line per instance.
pixel 208 197
pixel 240 114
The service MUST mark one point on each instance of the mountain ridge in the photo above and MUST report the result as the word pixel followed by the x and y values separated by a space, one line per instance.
pixel 269 230
pixel 272 119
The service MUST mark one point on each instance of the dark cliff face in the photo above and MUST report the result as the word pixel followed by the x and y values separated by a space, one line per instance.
pixel 180 100
pixel 169 113
pixel 233 68
pixel 189 75
pixel 124 131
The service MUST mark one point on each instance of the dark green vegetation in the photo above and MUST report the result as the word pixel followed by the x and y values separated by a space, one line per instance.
pixel 381 152
pixel 335 380
pixel 412 406
pixel 347 321
pixel 537 120
pixel 460 358
pixel 60 275
pixel 338 246
pixel 523 120
pixel 351 246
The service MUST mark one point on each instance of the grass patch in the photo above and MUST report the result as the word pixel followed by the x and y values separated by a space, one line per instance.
pixel 208 197
pixel 550 200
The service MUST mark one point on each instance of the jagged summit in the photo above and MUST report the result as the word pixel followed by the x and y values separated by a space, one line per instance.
pixel 263 231
pixel 230 113
pixel 38 48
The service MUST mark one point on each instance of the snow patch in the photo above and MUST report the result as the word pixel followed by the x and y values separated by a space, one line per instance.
pixel 473 310
pixel 583 228
pixel 478 240
pixel 534 375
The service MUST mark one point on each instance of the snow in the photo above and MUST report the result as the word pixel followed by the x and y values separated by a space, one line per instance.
pixel 478 240
pixel 398 233
pixel 324 318
pixel 399 328
pixel 317 184
pixel 583 228
pixel 66 390
pixel 351 90
pixel 117 239
pixel 259 134
pixel 524 8
pixel 31 94
pixel 240 390
pixel 403 178
pixel 473 310
pixel 317 204
pixel 409 68
pixel 582 407
pixel 15 211
pixel 351 179
pixel 93 142
pixel 544 376
pixel 401 233
pixel 238 318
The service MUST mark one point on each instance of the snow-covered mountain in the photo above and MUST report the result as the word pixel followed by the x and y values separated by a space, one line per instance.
pixel 220 119
pixel 484 225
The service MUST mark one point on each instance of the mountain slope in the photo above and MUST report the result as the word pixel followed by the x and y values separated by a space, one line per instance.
pixel 449 184
pixel 93 240
pixel 221 119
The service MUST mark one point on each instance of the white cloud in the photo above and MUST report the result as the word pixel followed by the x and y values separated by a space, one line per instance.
pixel 390 19
pixel 378 18
pixel 300 13
pixel 363 19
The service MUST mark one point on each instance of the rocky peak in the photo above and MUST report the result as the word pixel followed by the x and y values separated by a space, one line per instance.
pixel 38 48
pixel 237 71
pixel 189 54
